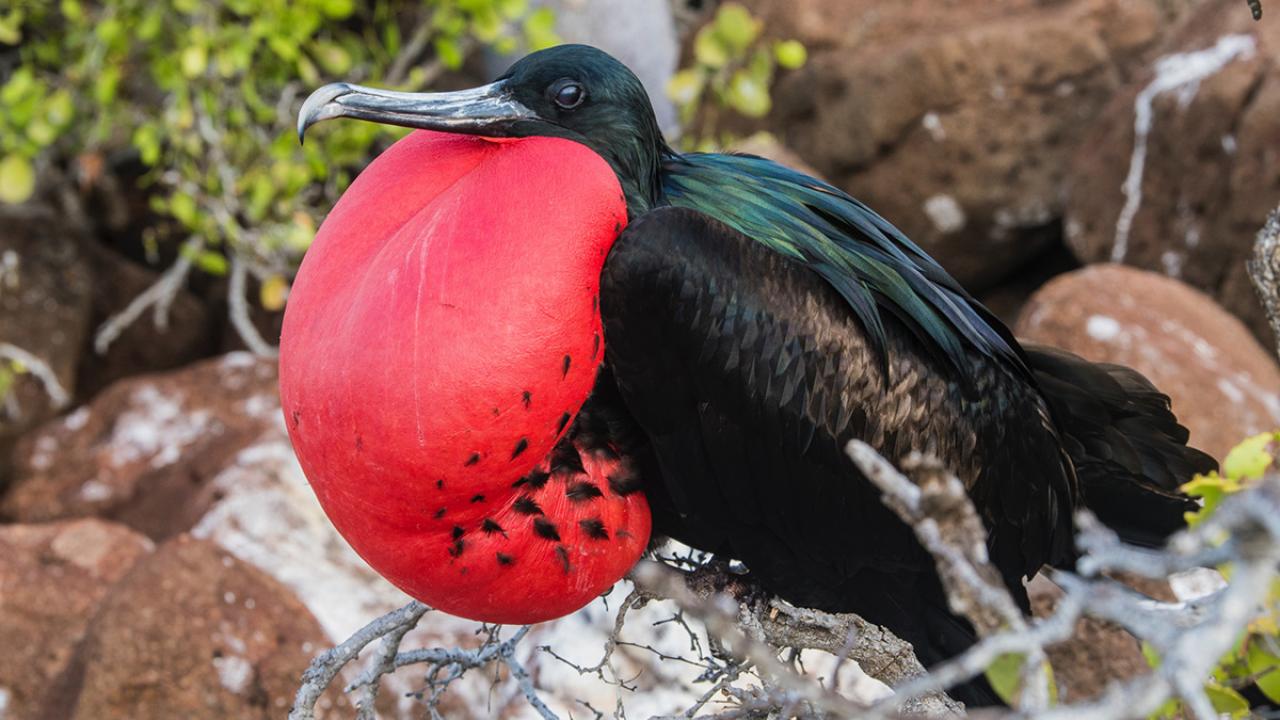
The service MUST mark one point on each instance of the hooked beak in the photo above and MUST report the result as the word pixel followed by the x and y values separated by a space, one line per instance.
pixel 485 110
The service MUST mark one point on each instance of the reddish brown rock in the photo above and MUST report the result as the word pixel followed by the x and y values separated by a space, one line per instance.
pixel 1097 655
pixel 141 451
pixel 52 578
pixel 1223 384
pixel 955 120
pixel 1210 172
pixel 191 632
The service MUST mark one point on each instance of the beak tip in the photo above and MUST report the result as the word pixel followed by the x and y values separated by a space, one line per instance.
pixel 314 107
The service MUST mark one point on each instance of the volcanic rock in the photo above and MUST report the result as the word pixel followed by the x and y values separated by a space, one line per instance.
pixel 52 577
pixel 1224 385
pixel 1097 655
pixel 192 632
pixel 955 120
pixel 139 453
pixel 1179 171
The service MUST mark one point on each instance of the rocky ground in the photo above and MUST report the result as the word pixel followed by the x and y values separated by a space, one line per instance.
pixel 1095 169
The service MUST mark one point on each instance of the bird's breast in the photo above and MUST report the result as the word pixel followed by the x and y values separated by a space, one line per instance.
pixel 441 336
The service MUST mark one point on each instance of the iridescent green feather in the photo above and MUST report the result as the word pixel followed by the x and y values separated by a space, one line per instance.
pixel 866 259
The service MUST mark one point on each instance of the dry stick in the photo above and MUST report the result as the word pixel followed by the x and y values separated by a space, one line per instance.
pixel 1188 639
pixel 238 310
pixel 326 666
pixel 719 613
pixel 937 507
pixel 58 396
pixel 160 295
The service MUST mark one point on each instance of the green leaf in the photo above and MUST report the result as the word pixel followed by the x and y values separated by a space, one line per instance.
pixel 1266 669
pixel 194 60
pixel 449 52
pixel 709 49
pixel 332 57
pixel 183 207
pixel 20 84
pixel 17 179
pixel 307 70
pixel 1251 458
pixel 150 25
pixel 147 140
pixel 337 9
pixel 41 133
pixel 685 86
pixel 1226 700
pixel 72 10
pixel 748 95
pixel 11 27
pixel 513 9
pixel 59 109
pixel 540 29
pixel 736 27
pixel 791 54
pixel 1004 676
pixel 212 262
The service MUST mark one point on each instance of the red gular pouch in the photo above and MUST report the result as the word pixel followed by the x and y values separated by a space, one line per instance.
pixel 441 335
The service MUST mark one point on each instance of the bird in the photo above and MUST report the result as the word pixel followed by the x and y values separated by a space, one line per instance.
pixel 531 337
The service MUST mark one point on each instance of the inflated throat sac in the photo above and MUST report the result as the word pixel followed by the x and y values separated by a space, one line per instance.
pixel 441 336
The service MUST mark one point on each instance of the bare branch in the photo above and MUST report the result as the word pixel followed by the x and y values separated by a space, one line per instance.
pixel 239 311
pixel 58 396
pixel 160 296
pixel 939 510
pixel 752 632
pixel 320 674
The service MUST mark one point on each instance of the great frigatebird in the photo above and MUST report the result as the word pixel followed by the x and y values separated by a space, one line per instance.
pixel 476 438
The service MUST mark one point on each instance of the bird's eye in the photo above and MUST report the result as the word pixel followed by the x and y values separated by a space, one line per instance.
pixel 569 95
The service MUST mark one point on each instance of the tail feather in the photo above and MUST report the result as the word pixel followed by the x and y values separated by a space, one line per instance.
pixel 1129 451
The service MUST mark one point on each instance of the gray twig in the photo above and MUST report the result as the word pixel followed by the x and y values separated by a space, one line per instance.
pixel 326 666
pixel 937 507
pixel 160 296
pixel 58 396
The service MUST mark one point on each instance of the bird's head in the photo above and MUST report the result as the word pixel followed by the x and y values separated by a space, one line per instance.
pixel 574 92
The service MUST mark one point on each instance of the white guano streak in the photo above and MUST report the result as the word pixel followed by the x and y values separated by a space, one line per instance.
pixel 1181 72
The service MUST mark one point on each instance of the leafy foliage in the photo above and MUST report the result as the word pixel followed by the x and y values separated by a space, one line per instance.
pixel 1256 657
pixel 733 70
pixel 205 92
